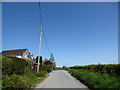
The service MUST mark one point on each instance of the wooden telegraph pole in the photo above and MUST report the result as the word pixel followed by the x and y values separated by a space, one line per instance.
pixel 39 49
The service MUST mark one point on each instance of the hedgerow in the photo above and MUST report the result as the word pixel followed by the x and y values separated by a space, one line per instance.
pixel 16 81
pixel 95 79
pixel 13 65
pixel 17 74
pixel 111 69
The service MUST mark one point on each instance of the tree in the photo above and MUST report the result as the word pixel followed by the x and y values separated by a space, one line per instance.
pixel 40 60
pixel 52 58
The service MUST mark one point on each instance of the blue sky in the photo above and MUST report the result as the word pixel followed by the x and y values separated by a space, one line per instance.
pixel 77 33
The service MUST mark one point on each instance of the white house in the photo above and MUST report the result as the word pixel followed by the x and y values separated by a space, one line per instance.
pixel 19 53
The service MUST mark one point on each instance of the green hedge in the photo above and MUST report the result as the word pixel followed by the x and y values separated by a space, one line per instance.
pixel 13 65
pixel 17 74
pixel 20 81
pixel 95 79
pixel 111 69
pixel 15 81
pixel 42 74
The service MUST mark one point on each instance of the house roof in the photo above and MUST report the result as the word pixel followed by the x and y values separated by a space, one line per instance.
pixel 48 62
pixel 14 52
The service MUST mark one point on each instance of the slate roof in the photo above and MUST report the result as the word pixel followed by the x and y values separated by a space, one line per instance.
pixel 13 52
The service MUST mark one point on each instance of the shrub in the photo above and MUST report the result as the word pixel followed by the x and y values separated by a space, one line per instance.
pixel 42 73
pixel 33 79
pixel 20 81
pixel 111 69
pixel 95 79
pixel 15 81
pixel 13 65
pixel 17 73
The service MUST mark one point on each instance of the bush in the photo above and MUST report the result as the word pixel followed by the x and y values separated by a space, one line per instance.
pixel 111 69
pixel 49 67
pixel 33 79
pixel 95 79
pixel 20 81
pixel 13 65
pixel 17 73
pixel 15 81
pixel 42 73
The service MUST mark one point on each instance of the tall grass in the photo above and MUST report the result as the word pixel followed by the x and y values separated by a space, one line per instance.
pixel 95 79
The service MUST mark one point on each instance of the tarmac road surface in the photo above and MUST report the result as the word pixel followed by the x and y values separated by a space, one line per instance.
pixel 60 79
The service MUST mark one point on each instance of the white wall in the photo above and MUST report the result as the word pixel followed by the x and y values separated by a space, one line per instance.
pixel 24 56
pixel 18 56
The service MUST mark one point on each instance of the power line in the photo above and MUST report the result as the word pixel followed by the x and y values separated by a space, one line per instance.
pixel 44 37
pixel 40 14
pixel 41 21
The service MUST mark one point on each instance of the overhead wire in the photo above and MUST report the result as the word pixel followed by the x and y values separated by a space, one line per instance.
pixel 45 39
pixel 41 21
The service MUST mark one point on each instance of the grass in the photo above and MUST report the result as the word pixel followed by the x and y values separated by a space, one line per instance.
pixel 21 81
pixel 95 79
pixel 33 80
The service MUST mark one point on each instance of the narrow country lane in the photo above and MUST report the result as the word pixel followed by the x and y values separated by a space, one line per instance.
pixel 60 79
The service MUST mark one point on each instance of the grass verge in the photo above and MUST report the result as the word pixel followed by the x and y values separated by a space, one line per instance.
pixel 96 80
pixel 21 81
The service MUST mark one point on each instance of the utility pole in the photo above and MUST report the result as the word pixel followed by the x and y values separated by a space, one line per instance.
pixel 39 48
